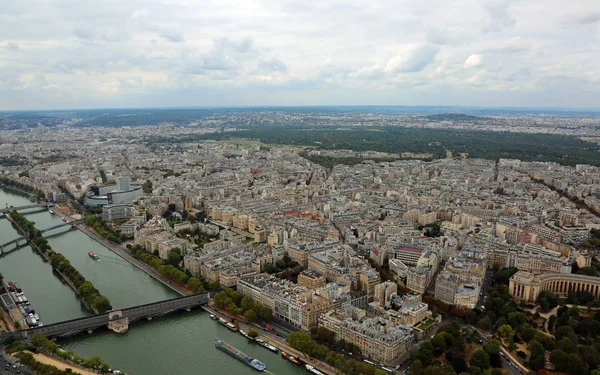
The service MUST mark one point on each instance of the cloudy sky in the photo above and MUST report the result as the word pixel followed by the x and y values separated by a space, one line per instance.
pixel 147 53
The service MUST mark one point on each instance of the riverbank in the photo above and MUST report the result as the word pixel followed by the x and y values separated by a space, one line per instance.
pixel 51 361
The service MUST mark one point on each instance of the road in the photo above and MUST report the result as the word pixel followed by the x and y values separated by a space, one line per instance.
pixel 6 366
pixel 487 281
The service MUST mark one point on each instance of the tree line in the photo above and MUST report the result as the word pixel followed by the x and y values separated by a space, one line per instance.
pixel 10 182
pixel 303 342
pixel 102 228
pixel 238 304
pixel 99 303
pixel 169 271
pixel 41 342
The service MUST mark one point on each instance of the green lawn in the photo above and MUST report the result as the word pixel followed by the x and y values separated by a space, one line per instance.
pixel 426 325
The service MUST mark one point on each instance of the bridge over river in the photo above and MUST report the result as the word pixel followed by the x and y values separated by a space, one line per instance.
pixel 116 320
pixel 22 240
pixel 19 208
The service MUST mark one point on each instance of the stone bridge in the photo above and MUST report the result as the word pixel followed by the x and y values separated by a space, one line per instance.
pixel 117 320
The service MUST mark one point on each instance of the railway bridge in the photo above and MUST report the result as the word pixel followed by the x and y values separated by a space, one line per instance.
pixel 116 320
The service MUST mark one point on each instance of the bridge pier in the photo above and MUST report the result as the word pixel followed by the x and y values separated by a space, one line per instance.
pixel 117 322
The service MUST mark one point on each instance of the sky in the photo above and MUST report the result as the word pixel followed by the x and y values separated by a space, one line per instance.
pixel 57 54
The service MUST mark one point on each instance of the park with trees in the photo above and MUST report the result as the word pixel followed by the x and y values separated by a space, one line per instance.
pixel 543 337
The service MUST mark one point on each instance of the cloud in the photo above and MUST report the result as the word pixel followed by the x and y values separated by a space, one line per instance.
pixel 473 61
pixel 413 58
pixel 224 55
pixel 272 65
pixel 172 36
pixel 12 46
pixel 589 19
pixel 145 52
pixel 499 15
pixel 375 72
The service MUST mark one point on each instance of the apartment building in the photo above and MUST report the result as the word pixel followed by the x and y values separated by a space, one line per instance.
pixel 380 339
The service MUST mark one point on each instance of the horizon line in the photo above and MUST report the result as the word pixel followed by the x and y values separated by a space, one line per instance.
pixel 269 106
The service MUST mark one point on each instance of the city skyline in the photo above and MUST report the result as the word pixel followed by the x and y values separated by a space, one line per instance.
pixel 68 55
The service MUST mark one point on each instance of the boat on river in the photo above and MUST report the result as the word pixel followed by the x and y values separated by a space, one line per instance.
pixel 245 334
pixel 93 255
pixel 313 370
pixel 239 355
pixel 290 358
pixel 267 345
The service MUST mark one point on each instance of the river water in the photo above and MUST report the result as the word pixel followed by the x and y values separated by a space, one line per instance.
pixel 181 343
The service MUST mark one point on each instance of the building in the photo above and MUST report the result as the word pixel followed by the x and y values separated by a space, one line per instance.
pixel 383 293
pixel 527 286
pixel 398 268
pixel 379 339
pixel 118 211
pixel 446 286
pixel 367 281
pixel 407 253
pixel 121 192
pixel 311 279
pixel 417 278
pixel 291 303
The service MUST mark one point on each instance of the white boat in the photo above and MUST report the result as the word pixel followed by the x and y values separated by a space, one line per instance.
pixel 268 346
pixel 313 370
pixel 51 211
pixel 245 334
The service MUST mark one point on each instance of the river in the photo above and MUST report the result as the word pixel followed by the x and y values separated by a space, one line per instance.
pixel 181 343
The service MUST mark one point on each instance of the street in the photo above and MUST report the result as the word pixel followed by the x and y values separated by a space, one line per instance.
pixel 487 281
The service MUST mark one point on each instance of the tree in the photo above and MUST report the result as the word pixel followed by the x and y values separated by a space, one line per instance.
pixel 101 304
pixel 425 355
pixel 195 285
pixel 416 368
pixel 559 359
pixel 543 339
pixel 485 323
pixel 537 358
pixel 458 363
pixel 247 303
pixel 567 346
pixel 250 315
pixel 174 257
pixel 439 343
pixel 492 348
pixel 506 332
pixel 480 359
pixel 252 333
